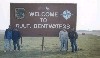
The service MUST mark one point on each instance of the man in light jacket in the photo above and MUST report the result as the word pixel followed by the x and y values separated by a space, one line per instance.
pixel 63 36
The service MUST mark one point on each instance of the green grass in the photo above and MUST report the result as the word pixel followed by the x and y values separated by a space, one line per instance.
pixel 88 45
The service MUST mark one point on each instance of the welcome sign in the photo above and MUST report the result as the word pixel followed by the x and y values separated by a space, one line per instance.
pixel 42 19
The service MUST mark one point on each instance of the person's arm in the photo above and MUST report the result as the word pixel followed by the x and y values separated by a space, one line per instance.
pixel 12 34
pixel 60 35
pixel 19 36
pixel 69 35
pixel 76 35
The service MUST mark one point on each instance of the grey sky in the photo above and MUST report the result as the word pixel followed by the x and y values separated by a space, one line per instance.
pixel 87 12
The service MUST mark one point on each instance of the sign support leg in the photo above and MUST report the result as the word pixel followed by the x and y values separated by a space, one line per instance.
pixel 21 41
pixel 42 42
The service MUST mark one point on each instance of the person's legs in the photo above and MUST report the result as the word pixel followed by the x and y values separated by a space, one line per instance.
pixel 9 44
pixel 18 45
pixel 14 43
pixel 72 44
pixel 75 44
pixel 62 45
pixel 66 44
pixel 5 45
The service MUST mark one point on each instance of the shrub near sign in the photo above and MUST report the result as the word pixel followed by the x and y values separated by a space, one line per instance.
pixel 42 19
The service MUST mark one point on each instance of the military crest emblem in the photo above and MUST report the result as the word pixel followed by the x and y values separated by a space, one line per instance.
pixel 19 13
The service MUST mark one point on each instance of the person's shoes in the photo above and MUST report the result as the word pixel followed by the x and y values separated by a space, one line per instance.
pixel 10 50
pixel 14 50
pixel 17 50
pixel 60 50
pixel 5 51
pixel 72 51
pixel 66 50
pixel 75 50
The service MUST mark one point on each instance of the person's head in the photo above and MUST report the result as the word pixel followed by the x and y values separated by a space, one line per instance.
pixel 16 29
pixel 9 27
pixel 72 29
pixel 64 29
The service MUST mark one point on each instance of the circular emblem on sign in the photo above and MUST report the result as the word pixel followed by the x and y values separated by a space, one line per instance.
pixel 66 14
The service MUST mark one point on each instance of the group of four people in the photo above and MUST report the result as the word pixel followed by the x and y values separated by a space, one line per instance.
pixel 14 34
pixel 64 36
pixel 11 34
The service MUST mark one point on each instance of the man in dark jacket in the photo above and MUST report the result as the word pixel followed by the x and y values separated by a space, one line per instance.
pixel 16 36
pixel 73 36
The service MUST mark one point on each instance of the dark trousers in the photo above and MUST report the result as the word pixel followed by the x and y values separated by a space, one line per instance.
pixel 73 44
pixel 16 43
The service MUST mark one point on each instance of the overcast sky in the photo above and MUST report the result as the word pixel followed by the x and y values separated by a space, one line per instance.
pixel 88 13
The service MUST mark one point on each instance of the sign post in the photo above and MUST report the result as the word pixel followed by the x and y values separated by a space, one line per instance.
pixel 42 42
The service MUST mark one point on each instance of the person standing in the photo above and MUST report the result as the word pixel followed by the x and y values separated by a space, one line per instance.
pixel 7 39
pixel 16 36
pixel 73 36
pixel 63 36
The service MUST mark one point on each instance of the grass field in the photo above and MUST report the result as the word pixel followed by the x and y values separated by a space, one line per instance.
pixel 88 45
